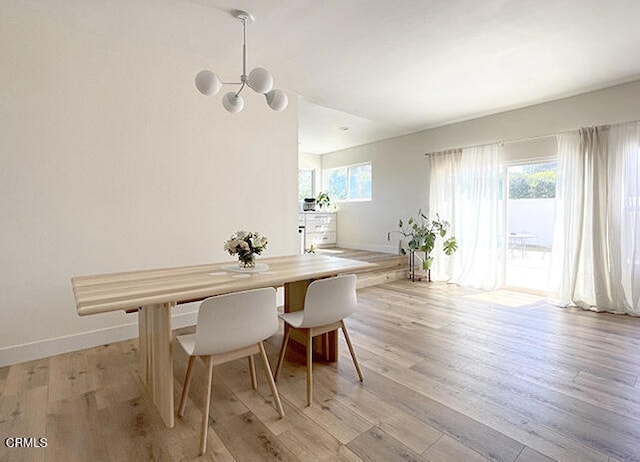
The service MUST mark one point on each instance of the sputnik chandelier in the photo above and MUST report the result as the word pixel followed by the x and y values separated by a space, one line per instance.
pixel 259 79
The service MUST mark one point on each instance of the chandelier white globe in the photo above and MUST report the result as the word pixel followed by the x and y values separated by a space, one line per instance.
pixel 277 100
pixel 259 79
pixel 232 102
pixel 208 83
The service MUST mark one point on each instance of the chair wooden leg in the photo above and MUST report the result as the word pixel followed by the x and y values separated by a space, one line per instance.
pixel 309 367
pixel 272 384
pixel 185 387
pixel 252 372
pixel 283 350
pixel 353 353
pixel 205 411
pixel 325 346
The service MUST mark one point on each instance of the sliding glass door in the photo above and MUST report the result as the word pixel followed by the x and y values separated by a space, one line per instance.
pixel 529 223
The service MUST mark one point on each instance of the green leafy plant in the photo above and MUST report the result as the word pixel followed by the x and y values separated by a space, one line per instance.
pixel 323 200
pixel 420 235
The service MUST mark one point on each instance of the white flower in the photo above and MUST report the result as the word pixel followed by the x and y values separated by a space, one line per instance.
pixel 243 242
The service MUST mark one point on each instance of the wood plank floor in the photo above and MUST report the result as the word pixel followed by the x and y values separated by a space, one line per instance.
pixel 449 376
pixel 363 255
pixel 389 267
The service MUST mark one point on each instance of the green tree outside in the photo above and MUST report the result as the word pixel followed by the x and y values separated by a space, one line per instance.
pixel 534 182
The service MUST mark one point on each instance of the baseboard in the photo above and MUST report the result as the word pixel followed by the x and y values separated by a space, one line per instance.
pixel 53 346
pixel 370 247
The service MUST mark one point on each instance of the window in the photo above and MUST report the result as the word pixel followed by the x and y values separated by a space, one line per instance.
pixel 305 184
pixel 350 183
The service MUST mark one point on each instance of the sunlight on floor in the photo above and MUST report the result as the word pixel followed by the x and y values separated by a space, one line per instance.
pixel 507 298
pixel 329 250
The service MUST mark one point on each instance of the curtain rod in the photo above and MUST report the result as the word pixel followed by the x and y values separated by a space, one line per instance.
pixel 530 138
pixel 501 142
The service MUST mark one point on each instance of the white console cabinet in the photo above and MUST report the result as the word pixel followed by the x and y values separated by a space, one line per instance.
pixel 319 229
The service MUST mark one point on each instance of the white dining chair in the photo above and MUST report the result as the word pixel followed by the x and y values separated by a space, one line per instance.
pixel 326 304
pixel 230 327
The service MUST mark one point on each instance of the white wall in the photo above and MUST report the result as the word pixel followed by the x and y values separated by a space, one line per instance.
pixel 399 166
pixel 397 190
pixel 111 161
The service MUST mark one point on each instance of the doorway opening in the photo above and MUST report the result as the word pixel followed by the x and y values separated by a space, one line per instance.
pixel 529 224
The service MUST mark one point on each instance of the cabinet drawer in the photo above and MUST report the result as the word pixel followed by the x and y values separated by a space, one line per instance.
pixel 317 239
pixel 321 227
pixel 320 218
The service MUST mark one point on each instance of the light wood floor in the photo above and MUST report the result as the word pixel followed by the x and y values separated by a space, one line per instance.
pixel 451 374
pixel 389 267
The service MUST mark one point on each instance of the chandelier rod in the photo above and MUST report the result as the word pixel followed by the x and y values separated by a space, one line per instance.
pixel 243 77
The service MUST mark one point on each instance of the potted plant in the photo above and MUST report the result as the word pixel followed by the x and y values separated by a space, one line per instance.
pixel 323 200
pixel 419 235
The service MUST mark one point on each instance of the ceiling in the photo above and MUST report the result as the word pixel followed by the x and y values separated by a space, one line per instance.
pixel 384 68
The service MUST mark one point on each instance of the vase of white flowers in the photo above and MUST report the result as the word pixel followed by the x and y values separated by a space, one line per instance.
pixel 246 245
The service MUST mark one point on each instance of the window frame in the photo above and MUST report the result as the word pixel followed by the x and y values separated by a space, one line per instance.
pixel 325 174
pixel 313 182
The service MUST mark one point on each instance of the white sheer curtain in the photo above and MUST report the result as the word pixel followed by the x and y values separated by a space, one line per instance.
pixel 595 261
pixel 464 189
pixel 443 168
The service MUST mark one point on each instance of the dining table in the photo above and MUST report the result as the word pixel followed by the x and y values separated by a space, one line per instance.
pixel 153 293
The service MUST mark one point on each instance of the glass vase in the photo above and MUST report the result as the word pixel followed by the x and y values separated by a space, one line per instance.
pixel 247 261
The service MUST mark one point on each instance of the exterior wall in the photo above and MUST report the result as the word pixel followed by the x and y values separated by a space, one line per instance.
pixel 532 216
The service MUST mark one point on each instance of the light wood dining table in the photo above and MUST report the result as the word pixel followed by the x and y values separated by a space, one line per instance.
pixel 153 293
